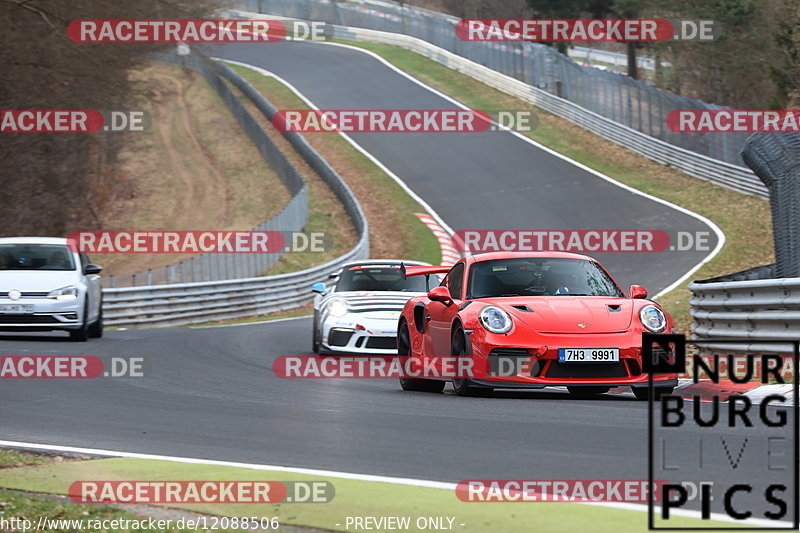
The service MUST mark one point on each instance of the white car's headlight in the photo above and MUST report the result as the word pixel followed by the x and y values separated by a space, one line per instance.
pixel 495 319
pixel 337 307
pixel 653 318
pixel 64 293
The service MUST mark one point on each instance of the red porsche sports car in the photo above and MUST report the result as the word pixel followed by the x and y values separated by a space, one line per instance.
pixel 532 320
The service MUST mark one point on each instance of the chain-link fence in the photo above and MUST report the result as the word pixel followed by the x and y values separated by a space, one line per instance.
pixel 614 96
pixel 293 217
pixel 775 158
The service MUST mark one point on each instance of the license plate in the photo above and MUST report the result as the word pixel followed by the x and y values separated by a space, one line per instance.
pixel 588 355
pixel 16 309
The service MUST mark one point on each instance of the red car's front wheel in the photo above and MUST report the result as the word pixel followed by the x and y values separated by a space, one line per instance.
pixel 463 386
pixel 404 350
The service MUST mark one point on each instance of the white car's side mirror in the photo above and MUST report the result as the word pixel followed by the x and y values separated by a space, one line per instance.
pixel 319 288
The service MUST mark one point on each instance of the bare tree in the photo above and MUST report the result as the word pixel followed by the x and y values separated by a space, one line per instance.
pixel 50 181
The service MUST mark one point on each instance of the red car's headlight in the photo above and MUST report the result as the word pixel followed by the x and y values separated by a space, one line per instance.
pixel 653 318
pixel 495 319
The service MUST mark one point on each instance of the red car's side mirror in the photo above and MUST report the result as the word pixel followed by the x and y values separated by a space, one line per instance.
pixel 440 294
pixel 638 292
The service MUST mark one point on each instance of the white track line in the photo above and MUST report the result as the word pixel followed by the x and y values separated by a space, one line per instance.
pixel 425 483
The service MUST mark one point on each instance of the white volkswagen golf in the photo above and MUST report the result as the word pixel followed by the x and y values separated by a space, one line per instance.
pixel 46 286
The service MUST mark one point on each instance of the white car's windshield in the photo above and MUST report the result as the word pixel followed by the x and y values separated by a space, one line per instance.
pixel 540 277
pixel 378 278
pixel 35 257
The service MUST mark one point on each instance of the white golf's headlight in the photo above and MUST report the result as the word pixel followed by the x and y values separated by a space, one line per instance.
pixel 495 319
pixel 64 294
pixel 337 307
pixel 653 318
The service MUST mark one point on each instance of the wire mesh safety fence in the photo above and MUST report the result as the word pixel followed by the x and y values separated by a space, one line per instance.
pixel 611 95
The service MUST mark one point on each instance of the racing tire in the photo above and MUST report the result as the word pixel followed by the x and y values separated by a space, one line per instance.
pixel 463 386
pixel 82 334
pixel 404 350
pixel 96 327
pixel 643 393
pixel 587 393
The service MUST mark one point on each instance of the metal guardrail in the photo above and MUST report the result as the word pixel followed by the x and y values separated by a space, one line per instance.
pixel 746 312
pixel 193 303
pixel 181 304
pixel 726 174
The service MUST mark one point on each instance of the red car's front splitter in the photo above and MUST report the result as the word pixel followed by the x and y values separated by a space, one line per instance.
pixel 536 365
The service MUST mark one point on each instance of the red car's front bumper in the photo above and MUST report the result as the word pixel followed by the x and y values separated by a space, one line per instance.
pixel 535 365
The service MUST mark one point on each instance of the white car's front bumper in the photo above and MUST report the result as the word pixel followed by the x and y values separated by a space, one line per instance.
pixel 41 313
pixel 359 334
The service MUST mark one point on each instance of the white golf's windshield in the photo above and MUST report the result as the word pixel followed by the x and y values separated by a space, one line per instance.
pixel 35 257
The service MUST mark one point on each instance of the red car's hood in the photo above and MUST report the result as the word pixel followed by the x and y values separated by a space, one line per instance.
pixel 569 314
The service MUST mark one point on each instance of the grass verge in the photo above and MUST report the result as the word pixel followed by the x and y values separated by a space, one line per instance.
pixel 353 498
pixel 193 169
pixel 746 220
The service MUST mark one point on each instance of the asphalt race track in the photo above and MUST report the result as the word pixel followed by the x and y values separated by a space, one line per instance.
pixel 489 180
pixel 210 393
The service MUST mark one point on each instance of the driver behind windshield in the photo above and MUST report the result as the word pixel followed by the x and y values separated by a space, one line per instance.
pixel 58 261
pixel 550 277
pixel 378 279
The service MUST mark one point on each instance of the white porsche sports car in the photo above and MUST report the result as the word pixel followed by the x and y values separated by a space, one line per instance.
pixel 359 313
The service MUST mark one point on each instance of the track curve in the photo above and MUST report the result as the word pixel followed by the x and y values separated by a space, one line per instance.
pixel 487 180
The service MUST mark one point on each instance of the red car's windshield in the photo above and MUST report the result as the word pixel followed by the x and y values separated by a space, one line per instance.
pixel 540 277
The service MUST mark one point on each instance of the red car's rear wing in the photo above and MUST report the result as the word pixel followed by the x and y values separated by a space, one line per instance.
pixel 423 270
